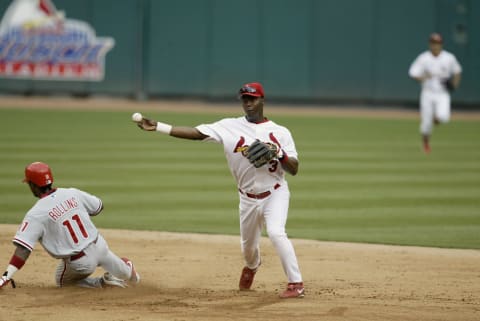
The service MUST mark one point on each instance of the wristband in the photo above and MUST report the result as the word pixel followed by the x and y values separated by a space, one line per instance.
pixel 280 153
pixel 284 158
pixel 163 128
pixel 16 262
pixel 10 271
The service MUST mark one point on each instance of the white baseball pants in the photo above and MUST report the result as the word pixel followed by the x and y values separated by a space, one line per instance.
pixel 76 272
pixel 433 105
pixel 273 211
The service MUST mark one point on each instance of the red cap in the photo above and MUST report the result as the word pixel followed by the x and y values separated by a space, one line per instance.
pixel 435 38
pixel 38 173
pixel 251 89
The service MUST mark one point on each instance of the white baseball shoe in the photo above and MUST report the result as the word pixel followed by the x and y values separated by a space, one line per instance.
pixel 134 277
pixel 108 280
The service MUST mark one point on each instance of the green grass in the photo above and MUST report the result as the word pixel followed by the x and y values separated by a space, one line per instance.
pixel 360 179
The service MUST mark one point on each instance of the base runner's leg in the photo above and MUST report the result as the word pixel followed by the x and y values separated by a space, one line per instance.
pixel 76 273
pixel 111 262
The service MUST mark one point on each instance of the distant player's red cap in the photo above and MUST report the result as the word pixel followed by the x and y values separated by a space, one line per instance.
pixel 38 173
pixel 254 89
pixel 436 38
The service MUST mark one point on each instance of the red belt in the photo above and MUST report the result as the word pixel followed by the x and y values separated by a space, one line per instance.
pixel 77 256
pixel 80 254
pixel 260 195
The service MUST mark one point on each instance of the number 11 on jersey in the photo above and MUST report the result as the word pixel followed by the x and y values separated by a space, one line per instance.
pixel 79 223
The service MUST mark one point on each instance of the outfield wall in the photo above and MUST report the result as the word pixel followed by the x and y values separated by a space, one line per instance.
pixel 308 50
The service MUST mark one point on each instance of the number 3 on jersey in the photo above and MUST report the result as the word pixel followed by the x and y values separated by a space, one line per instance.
pixel 273 165
pixel 79 223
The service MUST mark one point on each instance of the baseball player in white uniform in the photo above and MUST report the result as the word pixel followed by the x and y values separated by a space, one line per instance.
pixel 60 221
pixel 439 73
pixel 262 188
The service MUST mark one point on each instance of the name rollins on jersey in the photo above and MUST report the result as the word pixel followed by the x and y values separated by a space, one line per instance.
pixel 62 208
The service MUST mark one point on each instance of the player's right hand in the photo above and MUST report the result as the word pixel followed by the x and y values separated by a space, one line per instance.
pixel 147 124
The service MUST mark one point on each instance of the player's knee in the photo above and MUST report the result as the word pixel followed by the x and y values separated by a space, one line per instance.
pixel 248 249
pixel 443 118
pixel 276 233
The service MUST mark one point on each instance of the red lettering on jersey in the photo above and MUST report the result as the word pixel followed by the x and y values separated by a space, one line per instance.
pixel 71 203
pixel 24 226
pixel 62 208
pixel 275 140
pixel 239 148
pixel 54 213
pixel 77 219
pixel 71 231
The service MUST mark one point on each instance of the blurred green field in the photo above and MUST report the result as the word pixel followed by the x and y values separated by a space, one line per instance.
pixel 360 179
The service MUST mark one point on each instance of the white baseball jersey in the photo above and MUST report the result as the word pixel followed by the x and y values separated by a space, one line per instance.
pixel 236 134
pixel 61 222
pixel 438 68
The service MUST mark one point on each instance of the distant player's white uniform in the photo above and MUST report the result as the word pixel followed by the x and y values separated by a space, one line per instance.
pixel 264 194
pixel 61 222
pixel 434 97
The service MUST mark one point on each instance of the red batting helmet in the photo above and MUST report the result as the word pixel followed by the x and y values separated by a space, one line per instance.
pixel 38 173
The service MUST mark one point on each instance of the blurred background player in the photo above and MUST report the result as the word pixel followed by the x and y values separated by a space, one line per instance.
pixel 60 221
pixel 439 72
pixel 262 188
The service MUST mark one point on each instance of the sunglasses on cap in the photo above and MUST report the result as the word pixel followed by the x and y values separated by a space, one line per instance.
pixel 247 90
pixel 253 89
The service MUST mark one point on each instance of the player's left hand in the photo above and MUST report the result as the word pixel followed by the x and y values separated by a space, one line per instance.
pixel 4 281
pixel 448 83
pixel 260 153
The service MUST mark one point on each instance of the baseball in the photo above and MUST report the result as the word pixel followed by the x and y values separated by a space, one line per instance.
pixel 137 117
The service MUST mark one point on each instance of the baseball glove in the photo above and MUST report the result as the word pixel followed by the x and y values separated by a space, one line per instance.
pixel 448 83
pixel 260 153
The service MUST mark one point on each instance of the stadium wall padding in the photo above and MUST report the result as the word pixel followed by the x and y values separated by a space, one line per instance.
pixel 305 50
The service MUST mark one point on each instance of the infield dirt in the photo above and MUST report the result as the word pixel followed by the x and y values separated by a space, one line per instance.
pixel 195 277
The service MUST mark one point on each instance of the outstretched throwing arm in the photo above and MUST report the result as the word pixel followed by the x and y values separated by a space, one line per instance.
pixel 175 131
